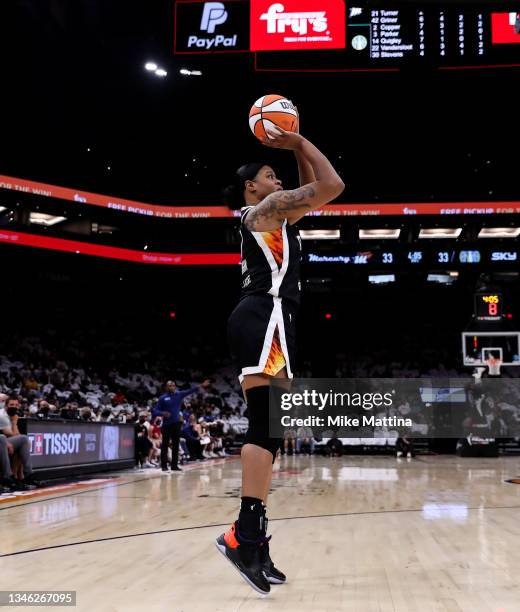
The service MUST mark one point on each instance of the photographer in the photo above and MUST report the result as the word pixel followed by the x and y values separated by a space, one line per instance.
pixel 12 443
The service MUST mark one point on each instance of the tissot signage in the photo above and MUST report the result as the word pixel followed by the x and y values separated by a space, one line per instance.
pixel 211 27
pixel 297 24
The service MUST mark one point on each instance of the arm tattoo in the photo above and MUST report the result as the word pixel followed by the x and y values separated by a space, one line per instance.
pixel 278 204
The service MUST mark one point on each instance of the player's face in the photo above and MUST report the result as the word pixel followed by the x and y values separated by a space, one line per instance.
pixel 266 182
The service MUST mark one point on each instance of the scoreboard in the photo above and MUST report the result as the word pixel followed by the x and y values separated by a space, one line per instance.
pixel 438 258
pixel 488 306
pixel 440 37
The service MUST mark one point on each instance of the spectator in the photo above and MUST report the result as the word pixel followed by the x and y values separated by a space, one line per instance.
pixel 155 436
pixel 12 443
pixel 404 446
pixel 289 441
pixel 304 438
pixel 142 443
pixel 168 407
pixel 190 433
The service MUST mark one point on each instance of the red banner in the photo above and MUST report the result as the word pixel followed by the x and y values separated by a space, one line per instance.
pixel 85 248
pixel 297 24
pixel 221 212
pixel 95 199
pixel 505 28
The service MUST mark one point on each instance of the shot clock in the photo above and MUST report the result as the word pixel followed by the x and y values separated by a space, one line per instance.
pixel 488 306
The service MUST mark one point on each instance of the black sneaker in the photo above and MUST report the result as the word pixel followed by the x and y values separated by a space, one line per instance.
pixel 16 485
pixel 176 469
pixel 245 557
pixel 31 480
pixel 273 575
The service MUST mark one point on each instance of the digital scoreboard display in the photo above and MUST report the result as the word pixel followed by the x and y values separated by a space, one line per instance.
pixel 435 258
pixel 488 306
pixel 437 36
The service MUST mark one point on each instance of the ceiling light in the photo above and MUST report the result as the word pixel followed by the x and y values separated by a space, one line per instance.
pixel 377 234
pixel 2 208
pixel 151 66
pixel 444 278
pixel 499 232
pixel 440 232
pixel 161 72
pixel 187 72
pixel 43 219
pixel 320 234
pixel 381 279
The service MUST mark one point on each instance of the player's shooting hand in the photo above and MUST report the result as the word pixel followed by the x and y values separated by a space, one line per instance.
pixel 280 139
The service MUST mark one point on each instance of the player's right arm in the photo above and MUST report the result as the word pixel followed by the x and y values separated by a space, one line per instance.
pixel 294 204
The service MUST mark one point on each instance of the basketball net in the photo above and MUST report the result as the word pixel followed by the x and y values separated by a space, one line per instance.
pixel 493 365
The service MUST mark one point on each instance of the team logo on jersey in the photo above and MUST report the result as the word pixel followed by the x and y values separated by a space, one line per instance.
pixel 247 282
pixel 244 266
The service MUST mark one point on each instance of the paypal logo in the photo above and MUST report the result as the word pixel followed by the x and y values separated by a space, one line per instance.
pixel 214 14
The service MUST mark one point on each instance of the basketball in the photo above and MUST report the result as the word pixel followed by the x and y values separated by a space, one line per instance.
pixel 272 111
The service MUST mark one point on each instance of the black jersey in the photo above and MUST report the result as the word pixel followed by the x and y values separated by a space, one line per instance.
pixel 271 261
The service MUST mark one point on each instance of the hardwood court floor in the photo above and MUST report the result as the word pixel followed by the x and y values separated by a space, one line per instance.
pixel 363 534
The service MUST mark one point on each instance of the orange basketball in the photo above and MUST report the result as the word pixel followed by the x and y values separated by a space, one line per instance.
pixel 270 111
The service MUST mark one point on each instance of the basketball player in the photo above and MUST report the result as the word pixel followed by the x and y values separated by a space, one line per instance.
pixel 261 329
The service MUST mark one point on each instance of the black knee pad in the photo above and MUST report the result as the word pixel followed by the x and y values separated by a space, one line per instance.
pixel 258 414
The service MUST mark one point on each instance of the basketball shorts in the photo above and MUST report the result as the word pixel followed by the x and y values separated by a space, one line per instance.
pixel 262 335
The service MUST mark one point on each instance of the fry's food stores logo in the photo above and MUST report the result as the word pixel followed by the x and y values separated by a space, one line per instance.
pixel 297 25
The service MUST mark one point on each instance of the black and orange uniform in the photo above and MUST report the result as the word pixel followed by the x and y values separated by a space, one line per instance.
pixel 262 328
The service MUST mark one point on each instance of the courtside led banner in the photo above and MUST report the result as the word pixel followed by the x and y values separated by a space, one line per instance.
pixel 211 27
pixel 290 25
pixel 109 252
pixel 24 186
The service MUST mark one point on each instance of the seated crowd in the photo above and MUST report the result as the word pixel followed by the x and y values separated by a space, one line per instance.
pixel 44 378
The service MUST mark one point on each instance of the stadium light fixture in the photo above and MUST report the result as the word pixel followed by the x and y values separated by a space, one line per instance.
pixel 443 278
pixel 160 72
pixel 381 279
pixel 186 72
pixel 2 208
pixel 43 219
pixel 378 234
pixel 499 232
pixel 440 232
pixel 151 66
pixel 320 234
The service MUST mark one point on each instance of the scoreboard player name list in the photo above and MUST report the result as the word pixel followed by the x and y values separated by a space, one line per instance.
pixel 386 35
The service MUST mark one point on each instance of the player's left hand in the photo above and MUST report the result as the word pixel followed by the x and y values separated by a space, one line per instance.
pixel 281 139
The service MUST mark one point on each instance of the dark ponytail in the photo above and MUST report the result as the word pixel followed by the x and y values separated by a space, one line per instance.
pixel 233 194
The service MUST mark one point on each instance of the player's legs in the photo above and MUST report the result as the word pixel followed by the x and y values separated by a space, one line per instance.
pixel 246 543
pixel 257 462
